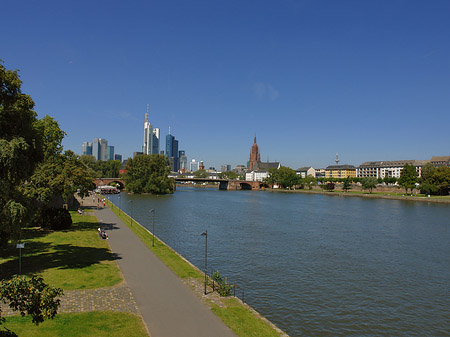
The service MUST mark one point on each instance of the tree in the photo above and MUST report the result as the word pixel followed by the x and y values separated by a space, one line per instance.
pixel 20 151
pixel 369 183
pixel 149 174
pixel 309 181
pixel 329 186
pixel 347 184
pixel 435 180
pixel 408 177
pixel 287 177
pixel 271 178
pixel 31 296
pixel 228 175
pixel 201 174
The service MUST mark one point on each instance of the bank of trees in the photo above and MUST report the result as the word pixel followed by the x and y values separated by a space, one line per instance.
pixel 35 174
pixel 435 180
pixel 149 174
pixel 101 169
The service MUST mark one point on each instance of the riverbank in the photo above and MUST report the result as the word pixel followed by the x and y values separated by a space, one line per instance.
pixel 237 315
pixel 375 195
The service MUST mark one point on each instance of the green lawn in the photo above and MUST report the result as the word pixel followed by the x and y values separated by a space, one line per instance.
pixel 242 321
pixel 98 324
pixel 71 259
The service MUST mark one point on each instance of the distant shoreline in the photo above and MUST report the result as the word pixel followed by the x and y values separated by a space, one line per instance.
pixel 364 195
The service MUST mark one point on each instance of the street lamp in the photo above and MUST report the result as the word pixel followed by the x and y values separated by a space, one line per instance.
pixel 205 234
pixel 120 205
pixel 131 213
pixel 153 226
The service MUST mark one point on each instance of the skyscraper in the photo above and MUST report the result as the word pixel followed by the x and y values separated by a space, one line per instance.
pixel 87 148
pixel 110 152
pixel 172 152
pixel 151 137
pixel 255 157
pixel 183 161
pixel 100 149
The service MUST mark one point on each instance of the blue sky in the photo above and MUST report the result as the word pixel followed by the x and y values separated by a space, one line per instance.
pixel 367 79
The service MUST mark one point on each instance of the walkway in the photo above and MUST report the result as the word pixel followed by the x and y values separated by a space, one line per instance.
pixel 168 306
pixel 118 298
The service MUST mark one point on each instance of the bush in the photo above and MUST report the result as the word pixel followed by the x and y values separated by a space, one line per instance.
pixel 53 218
pixel 329 186
pixel 223 287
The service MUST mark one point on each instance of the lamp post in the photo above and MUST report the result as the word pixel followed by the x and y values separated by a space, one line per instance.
pixel 205 234
pixel 120 205
pixel 131 213
pixel 153 226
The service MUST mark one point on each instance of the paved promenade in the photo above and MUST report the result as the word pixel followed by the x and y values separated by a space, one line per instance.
pixel 168 306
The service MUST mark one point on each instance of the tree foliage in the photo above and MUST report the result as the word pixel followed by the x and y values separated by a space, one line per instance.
pixel 408 177
pixel 201 174
pixel 20 151
pixel 32 166
pixel 309 181
pixel 347 184
pixel 149 174
pixel 228 175
pixel 435 180
pixel 31 296
pixel 284 176
pixel 101 169
pixel 369 183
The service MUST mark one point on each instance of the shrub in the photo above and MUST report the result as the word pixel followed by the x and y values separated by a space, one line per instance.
pixel 53 218
pixel 329 186
pixel 223 287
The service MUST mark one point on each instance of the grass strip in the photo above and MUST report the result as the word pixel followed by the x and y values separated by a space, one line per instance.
pixel 98 324
pixel 70 259
pixel 177 264
pixel 243 321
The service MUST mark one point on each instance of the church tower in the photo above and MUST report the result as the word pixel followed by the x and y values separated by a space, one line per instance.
pixel 255 157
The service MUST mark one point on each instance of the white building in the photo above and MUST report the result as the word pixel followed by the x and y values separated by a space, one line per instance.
pixel 382 169
pixel 256 175
pixel 151 137
pixel 193 165
pixel 306 171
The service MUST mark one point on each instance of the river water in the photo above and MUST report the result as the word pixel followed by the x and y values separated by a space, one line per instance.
pixel 316 264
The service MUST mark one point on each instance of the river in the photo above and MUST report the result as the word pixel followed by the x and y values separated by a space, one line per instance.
pixel 316 264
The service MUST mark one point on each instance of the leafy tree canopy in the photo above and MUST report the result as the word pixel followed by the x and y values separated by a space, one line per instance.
pixel 369 183
pixel 408 177
pixel 30 296
pixel 149 174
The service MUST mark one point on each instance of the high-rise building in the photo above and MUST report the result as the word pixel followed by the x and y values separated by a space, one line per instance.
pixel 225 168
pixel 172 152
pixel 193 165
pixel 87 148
pixel 151 137
pixel 183 161
pixel 100 148
pixel 255 157
pixel 117 156
pixel 110 152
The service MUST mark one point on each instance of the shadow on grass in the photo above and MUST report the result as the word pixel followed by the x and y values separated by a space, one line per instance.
pixel 63 256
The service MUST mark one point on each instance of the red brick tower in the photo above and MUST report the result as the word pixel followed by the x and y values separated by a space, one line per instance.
pixel 255 158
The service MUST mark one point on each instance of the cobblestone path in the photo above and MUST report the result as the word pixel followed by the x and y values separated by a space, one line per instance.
pixel 118 298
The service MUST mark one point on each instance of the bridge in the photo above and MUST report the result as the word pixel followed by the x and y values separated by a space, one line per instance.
pixel 106 181
pixel 224 184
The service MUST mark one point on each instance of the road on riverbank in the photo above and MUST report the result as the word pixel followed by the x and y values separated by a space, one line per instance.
pixel 168 306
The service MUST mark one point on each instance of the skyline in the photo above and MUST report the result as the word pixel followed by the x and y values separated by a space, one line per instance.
pixel 369 81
